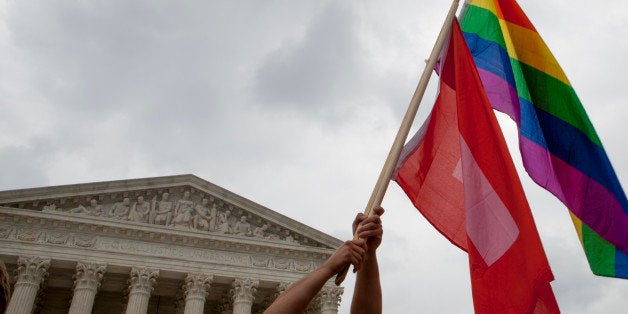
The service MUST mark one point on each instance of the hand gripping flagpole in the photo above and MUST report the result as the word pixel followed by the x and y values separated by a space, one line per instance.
pixel 393 156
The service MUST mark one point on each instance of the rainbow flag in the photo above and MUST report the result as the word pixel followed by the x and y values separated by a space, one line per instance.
pixel 559 146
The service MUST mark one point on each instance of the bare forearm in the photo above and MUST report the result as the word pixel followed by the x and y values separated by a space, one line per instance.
pixel 298 296
pixel 367 296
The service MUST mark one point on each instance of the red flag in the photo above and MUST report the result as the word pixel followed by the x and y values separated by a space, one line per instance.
pixel 457 171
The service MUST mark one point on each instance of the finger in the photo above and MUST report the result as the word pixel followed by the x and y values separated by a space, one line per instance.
pixel 358 219
pixel 369 226
pixel 374 237
pixel 378 210
pixel 368 231
pixel 359 246
pixel 356 260
pixel 375 233
pixel 373 219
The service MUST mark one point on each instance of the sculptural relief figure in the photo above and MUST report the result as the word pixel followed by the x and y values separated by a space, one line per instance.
pixel 202 215
pixel 161 212
pixel 290 238
pixel 260 232
pixel 183 211
pixel 242 227
pixel 93 209
pixel 139 211
pixel 212 218
pixel 120 210
pixel 51 208
pixel 223 222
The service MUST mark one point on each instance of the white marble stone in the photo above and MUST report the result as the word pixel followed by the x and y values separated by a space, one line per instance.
pixel 141 285
pixel 31 272
pixel 244 290
pixel 86 283
pixel 330 299
pixel 195 290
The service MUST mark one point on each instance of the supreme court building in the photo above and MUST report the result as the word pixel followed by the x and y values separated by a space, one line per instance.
pixel 175 244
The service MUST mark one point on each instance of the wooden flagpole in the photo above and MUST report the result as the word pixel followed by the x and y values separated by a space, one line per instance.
pixel 393 156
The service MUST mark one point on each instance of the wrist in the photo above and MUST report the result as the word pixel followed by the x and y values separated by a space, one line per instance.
pixel 327 271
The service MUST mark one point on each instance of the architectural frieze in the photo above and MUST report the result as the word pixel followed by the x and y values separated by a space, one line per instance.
pixel 257 258
pixel 30 226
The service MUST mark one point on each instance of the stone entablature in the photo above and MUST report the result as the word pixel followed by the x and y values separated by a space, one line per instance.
pixel 65 231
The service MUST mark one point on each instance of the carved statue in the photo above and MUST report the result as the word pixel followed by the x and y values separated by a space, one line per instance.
pixel 183 211
pixel 139 211
pixel 223 222
pixel 161 212
pixel 260 232
pixel 93 209
pixel 212 218
pixel 51 208
pixel 290 238
pixel 202 215
pixel 242 227
pixel 120 210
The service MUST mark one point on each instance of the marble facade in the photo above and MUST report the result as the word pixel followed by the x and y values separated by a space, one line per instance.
pixel 175 244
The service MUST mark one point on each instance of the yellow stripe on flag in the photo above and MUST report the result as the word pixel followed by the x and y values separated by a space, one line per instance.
pixel 578 224
pixel 531 50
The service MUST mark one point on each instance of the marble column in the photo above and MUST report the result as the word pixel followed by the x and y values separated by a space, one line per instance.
pixel 31 272
pixel 281 288
pixel 315 305
pixel 86 283
pixel 330 299
pixel 141 285
pixel 195 291
pixel 244 290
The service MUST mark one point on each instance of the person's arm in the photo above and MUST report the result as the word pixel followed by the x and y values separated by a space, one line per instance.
pixel 367 294
pixel 298 296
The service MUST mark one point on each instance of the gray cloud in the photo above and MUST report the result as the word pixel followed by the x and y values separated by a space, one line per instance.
pixel 291 104
pixel 24 165
pixel 315 72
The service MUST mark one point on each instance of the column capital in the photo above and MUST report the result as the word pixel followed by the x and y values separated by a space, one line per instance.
pixel 197 284
pixel 315 305
pixel 330 298
pixel 282 286
pixel 141 282
pixel 142 279
pixel 244 289
pixel 32 269
pixel 87 280
pixel 89 274
pixel 30 274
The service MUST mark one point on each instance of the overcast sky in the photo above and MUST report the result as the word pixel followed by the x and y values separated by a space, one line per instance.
pixel 292 104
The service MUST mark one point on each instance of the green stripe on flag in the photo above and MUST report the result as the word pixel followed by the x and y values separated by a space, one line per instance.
pixel 600 253
pixel 558 99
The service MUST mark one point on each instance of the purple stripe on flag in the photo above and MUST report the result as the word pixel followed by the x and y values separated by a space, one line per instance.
pixel 590 201
pixel 537 162
pixel 501 95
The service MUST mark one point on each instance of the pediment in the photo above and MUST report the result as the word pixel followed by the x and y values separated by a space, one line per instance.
pixel 182 203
